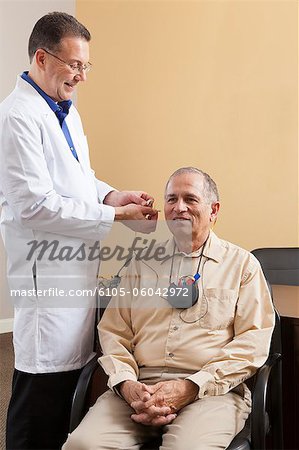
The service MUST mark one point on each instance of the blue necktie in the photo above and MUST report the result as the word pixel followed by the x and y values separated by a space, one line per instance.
pixel 61 113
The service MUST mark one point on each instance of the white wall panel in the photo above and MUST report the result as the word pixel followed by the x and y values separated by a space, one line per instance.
pixel 17 19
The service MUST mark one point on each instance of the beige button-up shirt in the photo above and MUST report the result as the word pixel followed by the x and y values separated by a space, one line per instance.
pixel 219 342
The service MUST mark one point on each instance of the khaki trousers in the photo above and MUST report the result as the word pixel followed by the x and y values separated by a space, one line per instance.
pixel 206 424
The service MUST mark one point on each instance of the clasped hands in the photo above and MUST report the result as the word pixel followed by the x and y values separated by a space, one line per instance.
pixel 158 404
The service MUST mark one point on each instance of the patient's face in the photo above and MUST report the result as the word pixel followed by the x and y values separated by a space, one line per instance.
pixel 186 208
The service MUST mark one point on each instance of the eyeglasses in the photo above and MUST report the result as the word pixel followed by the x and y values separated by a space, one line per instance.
pixel 76 67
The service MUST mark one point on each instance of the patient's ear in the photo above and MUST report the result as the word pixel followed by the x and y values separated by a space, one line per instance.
pixel 214 211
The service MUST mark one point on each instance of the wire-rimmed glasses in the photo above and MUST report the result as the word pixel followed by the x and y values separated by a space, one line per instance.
pixel 75 67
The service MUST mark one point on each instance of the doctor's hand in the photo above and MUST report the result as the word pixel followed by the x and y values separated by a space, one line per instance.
pixel 134 209
pixel 115 198
pixel 138 218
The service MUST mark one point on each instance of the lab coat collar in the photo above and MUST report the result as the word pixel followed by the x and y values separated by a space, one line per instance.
pixel 56 107
pixel 27 89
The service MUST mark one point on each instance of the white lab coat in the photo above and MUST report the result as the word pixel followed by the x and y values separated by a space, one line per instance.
pixel 46 194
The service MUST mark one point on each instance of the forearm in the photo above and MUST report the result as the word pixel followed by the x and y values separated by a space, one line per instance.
pixel 33 196
pixel 103 190
pixel 65 216
pixel 118 370
pixel 235 363
pixel 116 337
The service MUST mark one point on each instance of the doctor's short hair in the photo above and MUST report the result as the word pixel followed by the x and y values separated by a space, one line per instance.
pixel 51 28
pixel 210 188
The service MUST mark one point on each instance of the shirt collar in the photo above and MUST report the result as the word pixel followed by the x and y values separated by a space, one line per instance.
pixel 64 105
pixel 213 249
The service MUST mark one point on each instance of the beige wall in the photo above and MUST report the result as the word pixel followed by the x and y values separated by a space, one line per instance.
pixel 205 83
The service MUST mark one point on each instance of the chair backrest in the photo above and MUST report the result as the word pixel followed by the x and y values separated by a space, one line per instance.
pixel 280 265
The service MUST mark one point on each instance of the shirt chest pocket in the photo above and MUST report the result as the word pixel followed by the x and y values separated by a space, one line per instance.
pixel 220 308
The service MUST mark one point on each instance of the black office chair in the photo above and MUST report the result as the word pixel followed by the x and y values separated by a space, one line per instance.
pixel 280 265
pixel 264 420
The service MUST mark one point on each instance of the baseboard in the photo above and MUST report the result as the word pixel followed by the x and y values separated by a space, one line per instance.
pixel 6 325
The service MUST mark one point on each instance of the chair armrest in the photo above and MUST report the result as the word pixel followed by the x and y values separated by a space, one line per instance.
pixel 259 419
pixel 79 397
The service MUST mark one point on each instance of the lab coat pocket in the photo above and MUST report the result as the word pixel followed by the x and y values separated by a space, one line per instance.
pixel 220 308
pixel 65 337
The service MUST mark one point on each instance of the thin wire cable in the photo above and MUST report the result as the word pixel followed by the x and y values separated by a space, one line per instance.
pixel 202 298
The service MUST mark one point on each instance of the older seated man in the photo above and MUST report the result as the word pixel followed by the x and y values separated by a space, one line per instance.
pixel 177 365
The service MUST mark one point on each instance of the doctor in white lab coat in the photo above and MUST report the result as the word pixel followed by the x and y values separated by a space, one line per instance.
pixel 50 201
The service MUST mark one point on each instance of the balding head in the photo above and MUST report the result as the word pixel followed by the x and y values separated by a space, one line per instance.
pixel 210 187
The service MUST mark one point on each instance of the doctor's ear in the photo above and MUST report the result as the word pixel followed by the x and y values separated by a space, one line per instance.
pixel 40 58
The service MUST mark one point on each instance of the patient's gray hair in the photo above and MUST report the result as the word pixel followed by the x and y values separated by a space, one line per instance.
pixel 211 191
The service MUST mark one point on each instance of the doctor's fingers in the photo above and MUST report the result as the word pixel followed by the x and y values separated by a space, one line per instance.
pixel 131 197
pixel 141 198
pixel 137 212
pixel 136 218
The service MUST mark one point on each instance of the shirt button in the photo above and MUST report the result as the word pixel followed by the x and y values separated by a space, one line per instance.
pixel 175 328
pixel 171 355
